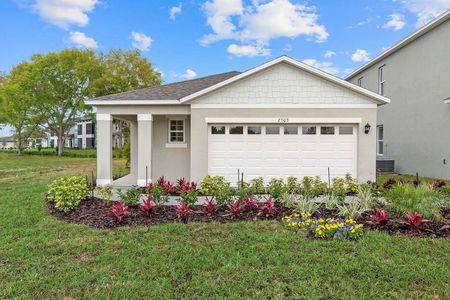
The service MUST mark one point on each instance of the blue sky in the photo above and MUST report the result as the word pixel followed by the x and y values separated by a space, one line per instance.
pixel 192 38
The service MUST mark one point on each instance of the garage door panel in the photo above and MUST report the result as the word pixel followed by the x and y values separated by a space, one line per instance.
pixel 281 156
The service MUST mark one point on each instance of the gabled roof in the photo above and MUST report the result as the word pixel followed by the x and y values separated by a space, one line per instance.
pixel 409 39
pixel 285 59
pixel 167 93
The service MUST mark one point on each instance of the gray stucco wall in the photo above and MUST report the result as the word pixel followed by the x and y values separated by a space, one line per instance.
pixel 172 163
pixel 366 142
pixel 417 122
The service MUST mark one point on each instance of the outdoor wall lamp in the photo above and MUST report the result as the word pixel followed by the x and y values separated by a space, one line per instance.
pixel 367 128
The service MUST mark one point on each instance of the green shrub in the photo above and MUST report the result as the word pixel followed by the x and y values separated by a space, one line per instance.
pixel 423 199
pixel 306 204
pixel 131 197
pixel 332 201
pixel 105 192
pixel 257 186
pixel 210 185
pixel 352 210
pixel 288 200
pixel 312 186
pixel 67 192
pixel 292 185
pixel 276 188
pixel 189 197
pixel 243 190
pixel 365 195
pixel 159 194
pixel 224 194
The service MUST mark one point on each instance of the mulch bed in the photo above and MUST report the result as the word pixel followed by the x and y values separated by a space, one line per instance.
pixel 96 214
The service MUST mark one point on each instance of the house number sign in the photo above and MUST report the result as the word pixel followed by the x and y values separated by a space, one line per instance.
pixel 283 120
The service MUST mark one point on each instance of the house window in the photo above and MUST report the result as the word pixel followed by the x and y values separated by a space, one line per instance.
pixel 176 131
pixel 327 130
pixel 80 143
pixel 217 129
pixel 381 80
pixel 360 79
pixel 254 130
pixel 290 130
pixel 272 129
pixel 309 129
pixel 90 143
pixel 236 129
pixel 380 140
pixel 345 130
pixel 80 129
pixel 89 128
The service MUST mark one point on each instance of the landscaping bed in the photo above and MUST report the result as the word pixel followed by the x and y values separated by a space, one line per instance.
pixel 96 213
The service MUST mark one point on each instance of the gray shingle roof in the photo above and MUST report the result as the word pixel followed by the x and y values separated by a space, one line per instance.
pixel 171 91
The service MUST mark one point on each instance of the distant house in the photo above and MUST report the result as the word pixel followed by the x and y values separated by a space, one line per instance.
pixel 413 130
pixel 7 142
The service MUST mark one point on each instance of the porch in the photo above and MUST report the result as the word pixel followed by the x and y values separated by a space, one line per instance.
pixel 158 146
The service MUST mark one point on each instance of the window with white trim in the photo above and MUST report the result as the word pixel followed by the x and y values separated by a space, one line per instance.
pixel 381 80
pixel 176 131
pixel 380 140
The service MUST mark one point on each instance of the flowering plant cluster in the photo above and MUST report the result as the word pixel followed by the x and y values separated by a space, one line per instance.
pixel 119 210
pixel 324 228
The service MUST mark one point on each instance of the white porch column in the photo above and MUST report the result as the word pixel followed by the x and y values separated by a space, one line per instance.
pixel 104 149
pixel 134 140
pixel 145 124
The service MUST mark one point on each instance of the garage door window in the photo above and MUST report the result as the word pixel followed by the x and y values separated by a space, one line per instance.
pixel 346 130
pixel 236 129
pixel 217 129
pixel 288 130
pixel 309 129
pixel 254 130
pixel 327 130
pixel 272 129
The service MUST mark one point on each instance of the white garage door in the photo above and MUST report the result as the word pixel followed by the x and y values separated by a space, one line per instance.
pixel 275 151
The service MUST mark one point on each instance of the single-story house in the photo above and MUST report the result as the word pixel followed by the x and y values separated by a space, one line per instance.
pixel 280 119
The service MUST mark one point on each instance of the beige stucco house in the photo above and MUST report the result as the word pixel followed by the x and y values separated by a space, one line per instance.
pixel 280 119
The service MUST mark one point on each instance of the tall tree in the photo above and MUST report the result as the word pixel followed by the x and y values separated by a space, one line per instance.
pixel 62 81
pixel 124 71
pixel 18 104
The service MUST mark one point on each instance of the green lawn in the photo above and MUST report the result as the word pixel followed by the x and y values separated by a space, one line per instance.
pixel 41 257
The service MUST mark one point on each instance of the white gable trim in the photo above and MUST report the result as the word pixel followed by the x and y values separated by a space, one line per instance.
pixel 374 96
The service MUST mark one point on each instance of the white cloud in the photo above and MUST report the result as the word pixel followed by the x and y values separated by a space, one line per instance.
pixel 81 40
pixel 248 50
pixel 141 41
pixel 396 22
pixel 329 54
pixel 325 66
pixel 426 10
pixel 360 55
pixel 261 21
pixel 189 74
pixel 361 23
pixel 64 13
pixel 175 10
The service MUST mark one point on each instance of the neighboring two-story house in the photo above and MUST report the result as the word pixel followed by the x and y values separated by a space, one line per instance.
pixel 414 129
pixel 81 135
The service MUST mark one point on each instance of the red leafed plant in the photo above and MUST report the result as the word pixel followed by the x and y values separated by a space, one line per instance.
pixel 209 206
pixel 250 202
pixel 436 184
pixel 148 205
pixel 166 185
pixel 268 208
pixel 414 219
pixel 235 206
pixel 380 218
pixel 389 183
pixel 183 185
pixel 119 210
pixel 183 210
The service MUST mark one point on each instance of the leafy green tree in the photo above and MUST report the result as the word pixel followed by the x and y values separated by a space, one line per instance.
pixel 19 107
pixel 62 81
pixel 123 71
